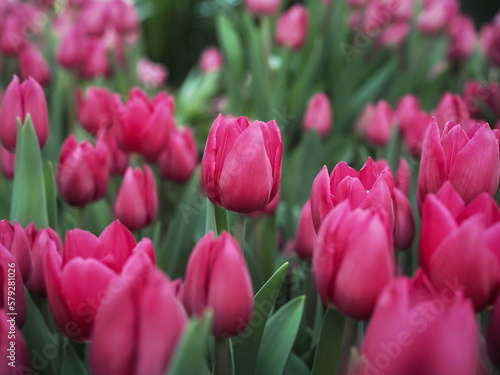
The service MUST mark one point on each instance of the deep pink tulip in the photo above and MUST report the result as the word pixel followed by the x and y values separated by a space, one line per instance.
pixel 13 38
pixel 470 161
pixel 124 16
pixel 143 320
pixel 451 108
pixel 379 126
pixel 119 159
pixel 96 59
pixel 353 244
pixel 178 161
pixel 306 234
pixel 490 42
pixel 462 38
pixel 13 347
pixel 363 119
pixel 18 101
pixel 211 60
pixel 436 14
pixel 411 332
pixel 474 94
pixel 403 177
pixel 241 166
pixel 291 29
pixel 86 276
pixel 142 125
pixel 262 7
pixel 458 243
pixel 394 34
pixel 136 205
pixel 7 163
pixel 14 239
pixel 71 52
pixel 94 17
pixel 413 123
pixel 318 114
pixel 493 98
pixel 33 64
pixel 404 225
pixel 83 171
pixel 40 241
pixel 95 109
pixel 10 272
pixel 270 208
pixel 493 335
pixel 217 278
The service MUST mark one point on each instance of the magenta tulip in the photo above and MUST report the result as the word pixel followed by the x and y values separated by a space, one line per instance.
pixel 490 41
pixel 306 234
pixel 462 38
pixel 211 60
pixel 413 123
pixel 318 115
pixel 270 209
pixel 379 126
pixel 451 108
pixel 94 110
pixel 436 14
pixel 291 29
pixel 119 159
pixel 12 38
pixel 33 64
pixel 178 161
pixel 96 62
pixel 14 239
pixel 241 166
pixel 262 7
pixel 71 52
pixel 217 278
pixel 7 163
pixel 12 296
pixel 151 74
pixel 15 358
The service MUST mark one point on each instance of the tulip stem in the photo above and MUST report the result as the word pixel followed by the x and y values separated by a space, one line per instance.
pixel 239 229
pixel 348 339
pixel 220 356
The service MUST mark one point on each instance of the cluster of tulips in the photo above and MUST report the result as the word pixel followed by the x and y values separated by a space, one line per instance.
pixel 353 234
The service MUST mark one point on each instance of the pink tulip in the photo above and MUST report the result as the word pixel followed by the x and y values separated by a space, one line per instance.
pixel 13 347
pixel 217 278
pixel 136 205
pixel 306 235
pixel 436 15
pixel 12 277
pixel 14 239
pixel 96 60
pixel 18 101
pixel 33 64
pixel 86 276
pixel 462 38
pixel 178 161
pixel 71 52
pixel 342 254
pixel 363 119
pixel 451 108
pixel 470 161
pixel 490 42
pixel 94 110
pixel 83 171
pixel 12 38
pixel 119 159
pixel 411 328
pixel 262 7
pixel 142 125
pixel 318 114
pixel 94 17
pixel 379 126
pixel 241 166
pixel 394 34
pixel 493 335
pixel 403 177
pixel 412 123
pixel 474 94
pixel 270 209
pixel 7 162
pixel 211 60
pixel 124 16
pixel 291 29
pixel 151 74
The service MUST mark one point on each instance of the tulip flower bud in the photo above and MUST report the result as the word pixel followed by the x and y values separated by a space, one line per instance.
pixel 490 42
pixel 87 274
pixel 403 177
pixel 436 15
pixel 363 119
pixel 178 161
pixel 83 171
pixel 412 123
pixel 379 127
pixel 18 101
pixel 94 111
pixel 241 166
pixel 94 17
pixel 12 38
pixel 306 235
pixel 217 278
pixel 40 241
pixel 318 114
pixel 493 335
pixel 14 239
pixel 7 162
pixel 462 38
pixel 291 29
pixel 451 108
pixel 470 161
pixel 11 275
pixel 124 16
pixel 211 60
pixel 262 7
pixel 136 205
pixel 96 60
pixel 410 331
pixel 119 159
pixel 341 255
pixel 71 52
pixel 32 63
pixel 404 226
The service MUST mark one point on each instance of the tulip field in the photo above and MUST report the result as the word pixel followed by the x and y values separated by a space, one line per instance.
pixel 249 187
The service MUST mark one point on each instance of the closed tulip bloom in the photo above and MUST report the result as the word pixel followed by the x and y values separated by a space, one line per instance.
pixel 451 108
pixel 178 161
pixel 318 114
pixel 490 42
pixel 470 161
pixel 12 38
pixel 14 239
pixel 136 205
pixel 436 14
pixel 241 166
pixel 262 7
pixel 40 241
pixel 33 64
pixel 394 35
pixel 493 335
pixel 270 209
pixel 403 177
pixel 144 321
pixel 71 52
pixel 7 163
pixel 18 101
pixel 87 274
pixel 474 94
pixel 83 171
pixel 11 273
pixel 211 60
pixel 306 235
pixel 142 125
pixel 460 242
pixel 119 159
pixel 94 17
pixel 125 16
pixel 94 110
pixel 353 244
pixel 413 123
pixel 462 38
pixel 404 225
pixel 379 127
pixel 13 346
pixel 411 329
pixel 96 59
pixel 291 29
pixel 217 278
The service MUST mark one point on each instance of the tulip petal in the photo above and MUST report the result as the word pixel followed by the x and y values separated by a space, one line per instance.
pixel 130 205
pixel 115 246
pixel 453 141
pixel 321 198
pixel 35 104
pixel 451 199
pixel 11 110
pixel 341 171
pixel 352 190
pixel 21 251
pixel 79 243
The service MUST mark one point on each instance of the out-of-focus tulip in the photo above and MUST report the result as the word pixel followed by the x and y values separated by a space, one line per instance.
pixel 241 166
pixel 410 331
pixel 40 241
pixel 394 34
pixel 12 345
pixel 474 94
pixel 462 38
pixel 125 16
pixel 33 64
pixel 144 320
pixel 151 74
pixel 95 109
pixel 12 38
pixel 18 101
pixel 119 159
pixel 217 278
pixel 451 108
pixel 492 99
pixel 11 276
pixel 96 59
pixel 14 239
pixel 404 225
pixel 403 177
pixel 211 60
pixel 7 163
pixel 306 235
pixel 178 161
pixel 318 114
pixel 362 120
pixel 342 254
pixel 470 161
pixel 490 42
pixel 412 123
pixel 71 52
pixel 136 205
pixel 493 335
pixel 83 171
pixel 86 276
pixel 94 17
pixel 262 7
pixel 142 125
pixel 458 243
pixel 436 14
pixel 379 127
pixel 291 29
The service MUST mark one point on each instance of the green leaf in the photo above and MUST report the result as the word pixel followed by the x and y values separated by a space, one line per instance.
pixel 29 201
pixel 51 193
pixel 189 357
pixel 71 363
pixel 327 354
pixel 246 345
pixel 278 338
pixel 296 366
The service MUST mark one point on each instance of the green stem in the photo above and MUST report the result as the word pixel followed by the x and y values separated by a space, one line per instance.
pixel 81 217
pixel 312 297
pixel 266 35
pixel 220 356
pixel 239 229
pixel 348 340
pixel 221 219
